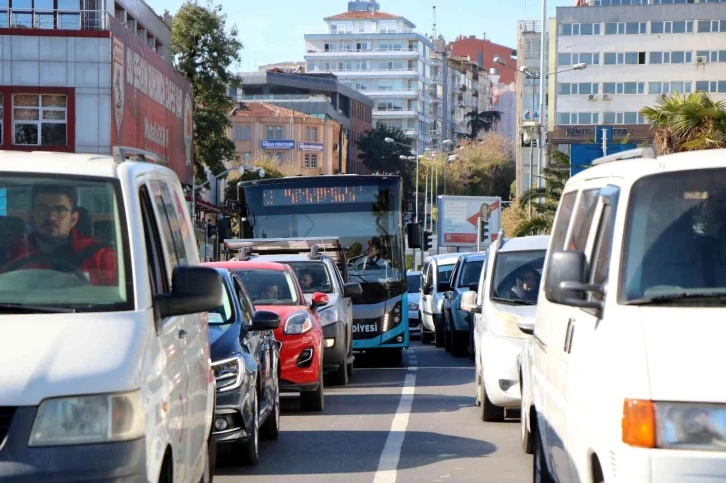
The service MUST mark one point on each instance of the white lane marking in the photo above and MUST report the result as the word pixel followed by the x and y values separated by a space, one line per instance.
pixel 388 464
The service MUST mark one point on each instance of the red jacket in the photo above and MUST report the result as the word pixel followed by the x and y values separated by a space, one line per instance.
pixel 100 264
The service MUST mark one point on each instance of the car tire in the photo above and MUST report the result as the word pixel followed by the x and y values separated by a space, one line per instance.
pixel 426 337
pixel 448 336
pixel 477 397
pixel 314 400
pixel 439 333
pixel 271 427
pixel 525 435
pixel 489 412
pixel 340 376
pixel 250 449
pixel 459 343
pixel 472 345
pixel 350 368
pixel 540 473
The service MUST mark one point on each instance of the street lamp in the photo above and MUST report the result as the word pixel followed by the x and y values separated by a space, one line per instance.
pixel 407 158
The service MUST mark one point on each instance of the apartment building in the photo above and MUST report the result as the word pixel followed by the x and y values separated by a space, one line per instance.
pixel 483 51
pixel 634 53
pixel 84 75
pixel 381 55
pixel 306 142
pixel 470 90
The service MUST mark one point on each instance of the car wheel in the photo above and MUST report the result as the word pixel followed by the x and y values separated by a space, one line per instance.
pixel 525 434
pixel 489 412
pixel 250 450
pixel 540 473
pixel 472 346
pixel 426 337
pixel 478 389
pixel 448 336
pixel 349 368
pixel 271 427
pixel 459 343
pixel 439 332
pixel 314 400
pixel 395 357
pixel 340 377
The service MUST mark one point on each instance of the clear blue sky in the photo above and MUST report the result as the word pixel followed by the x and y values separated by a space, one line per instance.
pixel 272 30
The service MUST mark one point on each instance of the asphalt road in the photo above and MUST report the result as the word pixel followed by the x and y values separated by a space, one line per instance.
pixel 423 413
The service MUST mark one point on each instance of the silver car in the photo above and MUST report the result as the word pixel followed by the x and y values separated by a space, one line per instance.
pixel 413 283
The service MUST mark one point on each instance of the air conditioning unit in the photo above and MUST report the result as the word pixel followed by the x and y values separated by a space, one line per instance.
pixel 592 97
pixel 700 60
pixel 607 97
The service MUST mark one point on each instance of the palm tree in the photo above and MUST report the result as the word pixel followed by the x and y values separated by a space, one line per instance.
pixel 544 200
pixel 687 123
pixel 480 121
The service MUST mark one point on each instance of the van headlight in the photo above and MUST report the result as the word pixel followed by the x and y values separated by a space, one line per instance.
pixel 691 426
pixel 298 324
pixel 228 373
pixel 89 419
pixel 328 316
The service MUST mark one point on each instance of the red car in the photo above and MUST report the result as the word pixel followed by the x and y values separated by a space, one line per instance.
pixel 274 287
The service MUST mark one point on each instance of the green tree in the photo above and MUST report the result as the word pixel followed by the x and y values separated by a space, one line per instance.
pixel 687 123
pixel 273 169
pixel 478 122
pixel 204 49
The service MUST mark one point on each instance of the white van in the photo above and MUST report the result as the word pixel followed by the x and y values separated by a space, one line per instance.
pixel 507 296
pixel 629 333
pixel 435 278
pixel 104 348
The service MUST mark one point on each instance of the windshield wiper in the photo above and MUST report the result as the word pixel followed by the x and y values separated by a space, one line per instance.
pixel 360 277
pixel 667 298
pixel 514 301
pixel 32 309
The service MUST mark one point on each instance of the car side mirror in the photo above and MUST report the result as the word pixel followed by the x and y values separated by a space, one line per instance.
pixel 265 320
pixel 413 235
pixel 352 289
pixel 468 303
pixel 194 289
pixel 319 299
pixel 427 289
pixel 566 283
pixel 526 325
pixel 474 287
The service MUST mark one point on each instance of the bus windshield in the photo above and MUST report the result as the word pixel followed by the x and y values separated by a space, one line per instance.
pixel 363 212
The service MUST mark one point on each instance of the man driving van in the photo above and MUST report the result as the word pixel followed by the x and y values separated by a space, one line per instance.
pixel 56 243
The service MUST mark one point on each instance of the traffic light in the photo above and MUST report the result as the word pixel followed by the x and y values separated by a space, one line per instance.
pixel 428 240
pixel 482 233
pixel 484 229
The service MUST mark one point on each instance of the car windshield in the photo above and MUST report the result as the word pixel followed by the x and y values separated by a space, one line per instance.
pixel 517 276
pixel 269 287
pixel 675 243
pixel 414 283
pixel 63 244
pixel 470 273
pixel 313 276
pixel 224 314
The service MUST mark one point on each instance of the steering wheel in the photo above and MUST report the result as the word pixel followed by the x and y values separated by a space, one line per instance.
pixel 54 262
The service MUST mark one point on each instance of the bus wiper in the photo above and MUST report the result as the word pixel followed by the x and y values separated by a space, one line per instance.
pixel 360 277
pixel 32 309
pixel 666 298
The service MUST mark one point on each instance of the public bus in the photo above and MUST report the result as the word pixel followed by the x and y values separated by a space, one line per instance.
pixel 365 213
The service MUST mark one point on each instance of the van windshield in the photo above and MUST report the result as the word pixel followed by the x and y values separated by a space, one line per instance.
pixel 470 273
pixel 675 243
pixel 63 245
pixel 517 276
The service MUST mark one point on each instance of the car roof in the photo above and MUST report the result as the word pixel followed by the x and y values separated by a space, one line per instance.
pixel 291 258
pixel 445 258
pixel 97 165
pixel 475 257
pixel 635 168
pixel 247 265
pixel 524 243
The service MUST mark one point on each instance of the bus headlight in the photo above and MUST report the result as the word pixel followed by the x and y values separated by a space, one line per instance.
pixel 298 324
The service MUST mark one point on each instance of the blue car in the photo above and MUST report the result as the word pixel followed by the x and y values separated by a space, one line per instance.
pixel 245 360
pixel 458 325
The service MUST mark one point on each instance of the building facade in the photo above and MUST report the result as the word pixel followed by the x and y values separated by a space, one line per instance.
pixel 483 51
pixel 317 95
pixel 634 54
pixel 470 90
pixel 84 75
pixel 382 56
pixel 306 143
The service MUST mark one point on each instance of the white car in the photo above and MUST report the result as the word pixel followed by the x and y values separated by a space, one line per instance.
pixel 507 295
pixel 436 275
pixel 105 347
pixel 626 373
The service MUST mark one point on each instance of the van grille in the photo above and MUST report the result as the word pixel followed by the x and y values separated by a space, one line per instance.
pixel 6 416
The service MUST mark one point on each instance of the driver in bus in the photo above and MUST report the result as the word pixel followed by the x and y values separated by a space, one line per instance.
pixel 56 243
pixel 373 258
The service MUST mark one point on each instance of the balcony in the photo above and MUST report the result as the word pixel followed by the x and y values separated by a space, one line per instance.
pixel 365 53
pixel 378 92
pixel 56 19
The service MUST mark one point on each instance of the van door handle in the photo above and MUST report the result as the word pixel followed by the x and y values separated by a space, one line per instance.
pixel 569 334
pixel 182 334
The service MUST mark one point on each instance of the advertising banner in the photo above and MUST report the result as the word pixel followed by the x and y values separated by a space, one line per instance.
pixel 152 102
pixel 458 217
pixel 317 147
pixel 277 144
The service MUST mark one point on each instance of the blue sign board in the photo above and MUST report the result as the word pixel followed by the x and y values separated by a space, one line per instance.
pixel 277 144
pixel 317 147
pixel 582 155
pixel 608 133
pixel 3 202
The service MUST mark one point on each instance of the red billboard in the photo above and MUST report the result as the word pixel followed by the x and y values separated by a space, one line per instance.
pixel 152 102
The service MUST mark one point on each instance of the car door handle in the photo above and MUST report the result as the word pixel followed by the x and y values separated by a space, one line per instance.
pixel 569 334
pixel 182 334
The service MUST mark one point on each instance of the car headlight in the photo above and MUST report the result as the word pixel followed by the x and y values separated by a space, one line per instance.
pixel 691 426
pixel 89 419
pixel 298 324
pixel 328 316
pixel 228 373
pixel 412 306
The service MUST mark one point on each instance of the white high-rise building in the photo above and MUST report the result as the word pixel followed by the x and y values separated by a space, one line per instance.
pixel 381 55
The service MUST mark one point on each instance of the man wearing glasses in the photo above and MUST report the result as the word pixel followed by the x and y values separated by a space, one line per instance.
pixel 56 243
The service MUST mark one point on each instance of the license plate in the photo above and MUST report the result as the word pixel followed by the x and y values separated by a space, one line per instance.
pixel 365 328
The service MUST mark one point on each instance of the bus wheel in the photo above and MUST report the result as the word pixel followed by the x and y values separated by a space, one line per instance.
pixel 395 357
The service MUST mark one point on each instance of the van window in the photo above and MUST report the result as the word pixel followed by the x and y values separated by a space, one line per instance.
pixel 559 233
pixel 171 225
pixel 603 248
pixel 516 276
pixel 675 238
pixel 583 219
pixel 444 275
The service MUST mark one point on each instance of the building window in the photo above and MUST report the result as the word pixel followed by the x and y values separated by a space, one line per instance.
pixel 671 27
pixel 40 119
pixel 623 118
pixel 589 58
pixel 311 134
pixel 710 56
pixel 711 86
pixel 278 156
pixel 679 57
pixel 626 28
pixel 623 87
pixel 274 132
pixel 575 88
pixel 578 118
pixel 705 26
pixel 668 87
pixel 622 58
pixel 238 133
pixel 311 160
pixel 2 116
pixel 580 29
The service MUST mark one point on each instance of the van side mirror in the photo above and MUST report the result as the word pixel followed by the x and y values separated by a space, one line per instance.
pixel 566 281
pixel 526 325
pixel 194 289
pixel 264 320
pixel 352 289
pixel 413 235
pixel 474 287
pixel 468 303
pixel 427 288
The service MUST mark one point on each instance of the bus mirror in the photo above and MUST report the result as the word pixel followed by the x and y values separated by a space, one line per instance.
pixel 413 233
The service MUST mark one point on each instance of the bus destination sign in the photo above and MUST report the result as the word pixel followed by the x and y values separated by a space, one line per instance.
pixel 320 195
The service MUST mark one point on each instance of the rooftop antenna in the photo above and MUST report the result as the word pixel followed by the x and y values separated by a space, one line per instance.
pixel 434 7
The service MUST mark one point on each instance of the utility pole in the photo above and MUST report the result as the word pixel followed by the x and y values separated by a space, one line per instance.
pixel 542 94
